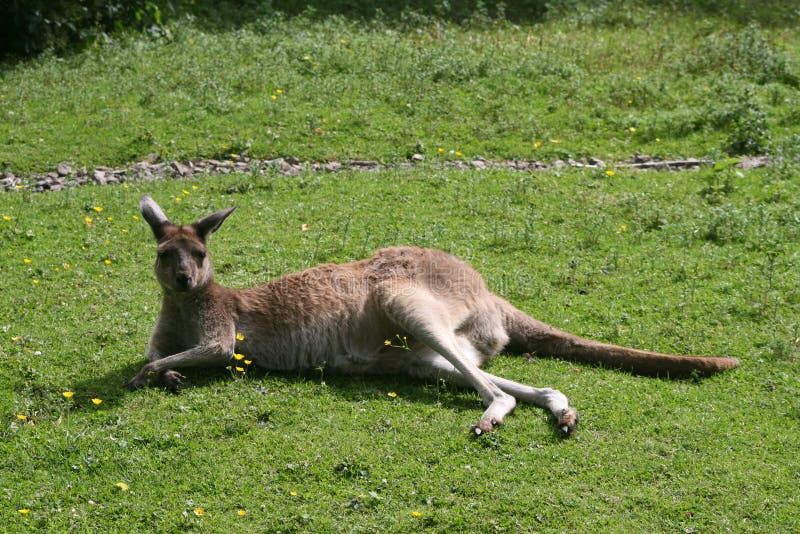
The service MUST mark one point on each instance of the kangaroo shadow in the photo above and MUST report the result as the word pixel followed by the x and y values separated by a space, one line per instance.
pixel 109 386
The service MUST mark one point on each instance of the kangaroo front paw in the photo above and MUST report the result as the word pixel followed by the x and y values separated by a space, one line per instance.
pixel 173 380
pixel 567 421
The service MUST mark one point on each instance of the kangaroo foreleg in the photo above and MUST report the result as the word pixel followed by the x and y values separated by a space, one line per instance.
pixel 163 369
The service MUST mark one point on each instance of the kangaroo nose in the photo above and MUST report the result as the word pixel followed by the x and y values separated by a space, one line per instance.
pixel 183 280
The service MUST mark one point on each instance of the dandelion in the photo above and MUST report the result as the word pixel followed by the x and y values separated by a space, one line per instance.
pixel 36 281
pixel 109 219
pixel 26 260
pixel 240 512
pixel 135 217
pixel 631 129
pixel 24 511
pixel 195 188
pixel 122 486
pixel 22 417
pixel 240 369
pixel 440 150
pixel 239 336
pixel 238 356
pixel 88 220
pixel 248 362
pixel 68 394
pixel 98 209
pixel 97 402
pixel 178 199
pixel 185 192
pixel 537 144
pixel 280 92
pixel 293 493
pixel 7 217
pixel 199 511
pixel 274 97
pixel 107 262
pixel 610 173
pixel 307 57
pixel 392 394
pixel 416 513
pixel 387 342
pixel 459 154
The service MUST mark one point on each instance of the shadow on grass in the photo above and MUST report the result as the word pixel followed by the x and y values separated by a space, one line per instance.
pixel 109 386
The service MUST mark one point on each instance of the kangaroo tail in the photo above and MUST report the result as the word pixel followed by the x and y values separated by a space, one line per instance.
pixel 526 334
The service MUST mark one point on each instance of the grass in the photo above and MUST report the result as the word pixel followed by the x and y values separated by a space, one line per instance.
pixel 665 83
pixel 701 262
pixel 648 260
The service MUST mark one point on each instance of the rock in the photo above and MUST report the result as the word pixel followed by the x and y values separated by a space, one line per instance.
pixel 64 168
pixel 417 157
pixel 596 162
pixel 478 163
pixel 99 177
pixel 180 169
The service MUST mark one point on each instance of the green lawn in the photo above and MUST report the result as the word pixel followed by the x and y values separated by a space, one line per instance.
pixel 702 262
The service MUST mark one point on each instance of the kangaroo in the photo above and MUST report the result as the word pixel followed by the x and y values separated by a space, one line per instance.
pixel 344 317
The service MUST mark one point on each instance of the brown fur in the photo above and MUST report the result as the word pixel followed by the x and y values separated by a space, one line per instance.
pixel 339 316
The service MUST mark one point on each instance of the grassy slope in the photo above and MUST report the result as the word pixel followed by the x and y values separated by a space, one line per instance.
pixel 639 259
pixel 660 83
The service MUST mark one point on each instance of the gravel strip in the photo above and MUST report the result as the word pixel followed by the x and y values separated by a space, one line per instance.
pixel 65 175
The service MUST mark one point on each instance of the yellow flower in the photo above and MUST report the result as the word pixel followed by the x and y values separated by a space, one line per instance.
pixel 293 493
pixel 440 150
pixel 240 512
pixel 248 362
pixel 392 394
pixel 416 513
pixel 22 417
pixel 307 57
pixel 97 402
pixel 98 209
pixel 610 173
pixel 240 369
pixel 555 141
pixel 238 356
pixel 122 486
pixel 274 97
pixel 195 188
pixel 458 154
pixel 537 144
pixel 88 220
pixel 26 260
pixel 109 219
pixel 387 342
pixel 68 394
pixel 23 511
pixel 36 281
pixel 239 336
pixel 185 192
pixel 178 199
pixel 135 217
pixel 199 511
pixel 279 91
pixel 107 262
pixel 631 129
pixel 6 217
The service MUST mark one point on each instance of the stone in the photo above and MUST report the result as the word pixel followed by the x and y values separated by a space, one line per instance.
pixel 64 168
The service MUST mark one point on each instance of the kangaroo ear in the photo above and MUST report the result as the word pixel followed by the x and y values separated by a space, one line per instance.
pixel 208 225
pixel 154 216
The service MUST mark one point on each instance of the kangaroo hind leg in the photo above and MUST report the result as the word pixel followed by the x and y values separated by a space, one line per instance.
pixel 430 320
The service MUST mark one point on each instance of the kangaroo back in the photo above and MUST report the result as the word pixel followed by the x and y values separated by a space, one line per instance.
pixel 529 335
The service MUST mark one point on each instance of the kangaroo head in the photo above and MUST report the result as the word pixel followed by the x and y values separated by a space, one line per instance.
pixel 182 262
